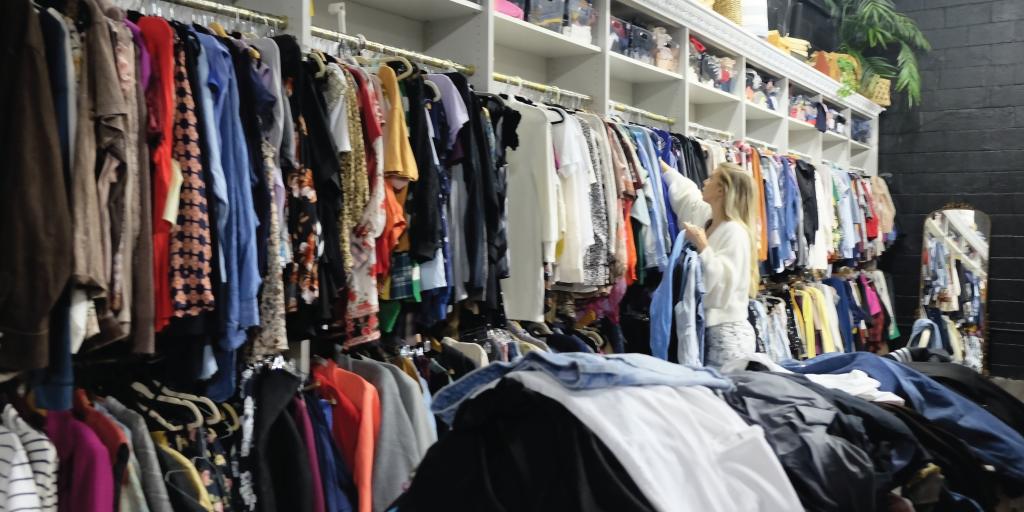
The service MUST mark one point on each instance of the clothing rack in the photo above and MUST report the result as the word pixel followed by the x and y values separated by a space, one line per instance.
pixel 805 156
pixel 857 169
pixel 649 115
pixel 762 144
pixel 362 43
pixel 694 127
pixel 832 164
pixel 278 22
pixel 514 80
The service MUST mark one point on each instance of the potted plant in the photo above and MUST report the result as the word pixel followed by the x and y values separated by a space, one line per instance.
pixel 870 31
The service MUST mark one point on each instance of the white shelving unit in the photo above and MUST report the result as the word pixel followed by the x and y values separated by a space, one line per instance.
pixel 474 34
pixel 973 265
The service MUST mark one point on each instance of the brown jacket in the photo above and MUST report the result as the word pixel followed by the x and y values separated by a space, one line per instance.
pixel 35 222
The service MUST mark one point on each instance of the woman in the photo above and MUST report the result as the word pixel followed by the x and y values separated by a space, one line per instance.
pixel 726 255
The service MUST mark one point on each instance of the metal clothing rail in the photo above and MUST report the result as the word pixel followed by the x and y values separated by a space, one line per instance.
pixel 514 80
pixel 805 156
pixel 762 144
pixel 278 22
pixel 701 128
pixel 361 43
pixel 857 169
pixel 649 115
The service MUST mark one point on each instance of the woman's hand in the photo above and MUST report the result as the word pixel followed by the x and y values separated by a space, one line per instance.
pixel 697 236
pixel 664 167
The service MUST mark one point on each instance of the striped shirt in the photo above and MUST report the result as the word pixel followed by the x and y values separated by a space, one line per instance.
pixel 17 488
pixel 42 456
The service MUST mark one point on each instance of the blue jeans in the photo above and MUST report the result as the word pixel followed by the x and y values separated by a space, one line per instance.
pixel 579 371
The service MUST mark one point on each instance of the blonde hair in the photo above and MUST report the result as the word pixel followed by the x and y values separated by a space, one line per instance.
pixel 739 205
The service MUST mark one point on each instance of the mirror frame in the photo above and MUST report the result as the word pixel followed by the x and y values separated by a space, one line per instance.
pixel 984 303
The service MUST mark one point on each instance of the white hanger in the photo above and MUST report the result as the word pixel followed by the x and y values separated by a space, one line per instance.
pixel 144 391
pixel 210 420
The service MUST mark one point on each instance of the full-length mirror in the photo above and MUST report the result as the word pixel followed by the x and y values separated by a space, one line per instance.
pixel 954 275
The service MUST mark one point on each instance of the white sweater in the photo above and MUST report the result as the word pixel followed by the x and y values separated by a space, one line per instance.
pixel 726 265
pixel 686 199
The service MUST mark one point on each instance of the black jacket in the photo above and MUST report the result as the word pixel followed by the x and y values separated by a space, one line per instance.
pixel 805 182
pixel 282 473
pixel 978 389
pixel 963 471
pixel 824 451
pixel 512 449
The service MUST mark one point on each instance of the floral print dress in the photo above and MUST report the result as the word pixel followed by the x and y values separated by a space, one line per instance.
pixel 190 242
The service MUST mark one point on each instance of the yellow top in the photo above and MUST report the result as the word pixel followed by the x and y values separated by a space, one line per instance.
pixel 827 342
pixel 398 158
pixel 160 438
pixel 805 319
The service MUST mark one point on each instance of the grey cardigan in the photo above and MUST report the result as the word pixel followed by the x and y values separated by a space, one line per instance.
pixel 396 452
pixel 152 478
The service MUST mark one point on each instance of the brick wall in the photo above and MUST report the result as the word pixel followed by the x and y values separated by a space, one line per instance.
pixel 965 143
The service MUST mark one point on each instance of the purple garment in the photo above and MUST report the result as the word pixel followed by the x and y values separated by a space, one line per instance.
pixel 85 482
pixel 145 69
pixel 305 427
pixel 454 106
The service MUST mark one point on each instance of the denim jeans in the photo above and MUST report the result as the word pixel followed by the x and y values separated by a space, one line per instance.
pixel 579 371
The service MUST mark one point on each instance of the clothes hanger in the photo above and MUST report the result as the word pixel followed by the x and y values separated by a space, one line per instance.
pixel 232 415
pixel 318 58
pixel 144 391
pixel 405 62
pixel 437 92
pixel 218 29
pixel 210 420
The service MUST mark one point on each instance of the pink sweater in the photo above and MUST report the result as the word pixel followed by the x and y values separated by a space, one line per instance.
pixel 85 482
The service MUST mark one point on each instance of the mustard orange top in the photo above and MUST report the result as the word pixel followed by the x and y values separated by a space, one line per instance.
pixel 398 158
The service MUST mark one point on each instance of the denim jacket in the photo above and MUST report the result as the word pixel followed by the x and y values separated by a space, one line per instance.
pixel 690 311
pixel 576 370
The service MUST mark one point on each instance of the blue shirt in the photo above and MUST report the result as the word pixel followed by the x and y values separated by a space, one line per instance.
pixel 690 315
pixel 655 201
pixel 663 143
pixel 211 122
pixel 661 304
pixel 241 278
pixel 576 370
pixel 996 443
pixel 843 310
pixel 791 213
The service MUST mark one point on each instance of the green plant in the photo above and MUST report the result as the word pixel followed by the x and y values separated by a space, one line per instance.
pixel 848 79
pixel 867 28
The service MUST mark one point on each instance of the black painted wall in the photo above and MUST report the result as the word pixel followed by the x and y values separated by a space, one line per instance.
pixel 964 143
